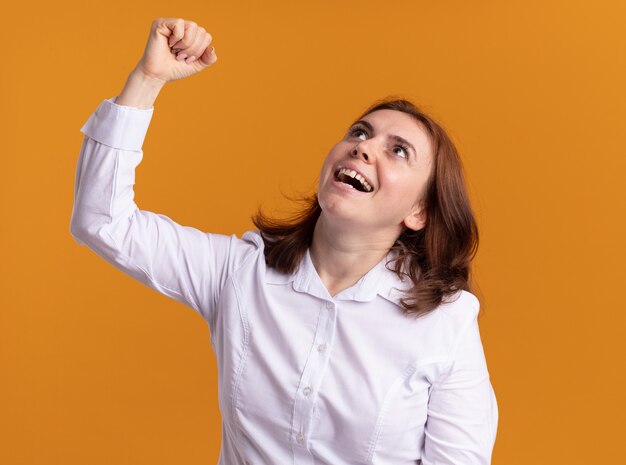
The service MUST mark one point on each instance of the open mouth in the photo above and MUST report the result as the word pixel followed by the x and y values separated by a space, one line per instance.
pixel 353 179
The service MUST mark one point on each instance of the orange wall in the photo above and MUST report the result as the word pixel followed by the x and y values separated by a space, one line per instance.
pixel 98 369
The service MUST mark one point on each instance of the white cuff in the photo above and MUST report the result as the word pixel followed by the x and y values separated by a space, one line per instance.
pixel 118 126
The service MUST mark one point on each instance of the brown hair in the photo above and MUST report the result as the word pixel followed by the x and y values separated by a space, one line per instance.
pixel 437 258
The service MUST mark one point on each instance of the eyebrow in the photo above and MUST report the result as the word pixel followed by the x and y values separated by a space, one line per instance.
pixel 392 136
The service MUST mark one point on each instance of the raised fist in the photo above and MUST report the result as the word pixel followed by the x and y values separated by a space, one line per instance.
pixel 176 49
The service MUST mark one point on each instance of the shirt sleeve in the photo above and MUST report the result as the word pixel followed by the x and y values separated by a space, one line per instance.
pixel 178 261
pixel 462 410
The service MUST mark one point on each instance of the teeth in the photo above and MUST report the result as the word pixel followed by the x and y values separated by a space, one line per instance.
pixel 354 174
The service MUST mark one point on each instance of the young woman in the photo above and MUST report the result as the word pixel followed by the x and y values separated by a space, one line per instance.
pixel 346 335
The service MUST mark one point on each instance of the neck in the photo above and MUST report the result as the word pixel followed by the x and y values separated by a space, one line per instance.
pixel 342 256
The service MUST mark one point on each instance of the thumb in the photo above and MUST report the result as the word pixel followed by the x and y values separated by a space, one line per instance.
pixel 172 28
pixel 208 57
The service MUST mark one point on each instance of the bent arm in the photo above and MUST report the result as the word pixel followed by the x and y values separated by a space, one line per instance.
pixel 181 262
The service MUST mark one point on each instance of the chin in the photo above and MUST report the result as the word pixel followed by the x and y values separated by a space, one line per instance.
pixel 338 211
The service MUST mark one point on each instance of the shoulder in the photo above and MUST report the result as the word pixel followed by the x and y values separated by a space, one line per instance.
pixel 253 239
pixel 460 302
pixel 460 309
pixel 249 242
pixel 459 313
pixel 447 323
pixel 237 251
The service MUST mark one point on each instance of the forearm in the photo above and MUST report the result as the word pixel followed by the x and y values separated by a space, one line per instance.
pixel 140 91
pixel 105 173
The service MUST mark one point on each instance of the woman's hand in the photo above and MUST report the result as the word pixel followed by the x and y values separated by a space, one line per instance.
pixel 171 45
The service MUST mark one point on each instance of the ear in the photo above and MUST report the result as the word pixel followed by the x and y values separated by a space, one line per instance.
pixel 417 219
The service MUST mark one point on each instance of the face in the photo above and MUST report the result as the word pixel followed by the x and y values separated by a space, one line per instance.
pixel 375 177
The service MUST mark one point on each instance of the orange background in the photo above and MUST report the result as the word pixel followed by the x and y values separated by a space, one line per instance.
pixel 96 368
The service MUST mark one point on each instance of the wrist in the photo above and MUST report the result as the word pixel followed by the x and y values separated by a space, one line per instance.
pixel 140 90
pixel 146 79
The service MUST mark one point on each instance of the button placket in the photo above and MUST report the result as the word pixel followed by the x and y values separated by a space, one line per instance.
pixel 321 347
pixel 305 400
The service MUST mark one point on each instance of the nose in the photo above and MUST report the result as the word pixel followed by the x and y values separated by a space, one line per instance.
pixel 364 151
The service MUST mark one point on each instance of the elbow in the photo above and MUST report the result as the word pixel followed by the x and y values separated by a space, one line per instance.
pixel 78 231
pixel 84 226
pixel 98 231
pixel 77 235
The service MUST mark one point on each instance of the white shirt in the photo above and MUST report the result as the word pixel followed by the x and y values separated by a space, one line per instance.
pixel 304 378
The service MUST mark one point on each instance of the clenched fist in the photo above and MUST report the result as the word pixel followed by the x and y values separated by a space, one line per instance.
pixel 176 49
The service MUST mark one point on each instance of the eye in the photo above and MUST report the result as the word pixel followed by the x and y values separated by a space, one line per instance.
pixel 403 151
pixel 358 132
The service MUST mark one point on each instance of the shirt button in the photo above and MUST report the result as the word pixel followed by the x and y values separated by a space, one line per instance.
pixel 307 390
pixel 321 348
pixel 300 438
pixel 329 305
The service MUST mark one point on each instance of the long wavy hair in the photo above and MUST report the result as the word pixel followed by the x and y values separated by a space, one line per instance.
pixel 437 258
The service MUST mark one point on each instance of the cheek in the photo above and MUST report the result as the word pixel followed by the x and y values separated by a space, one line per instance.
pixel 408 188
pixel 327 165
pixel 324 171
pixel 324 176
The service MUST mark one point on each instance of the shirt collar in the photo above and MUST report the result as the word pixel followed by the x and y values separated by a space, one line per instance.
pixel 378 281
